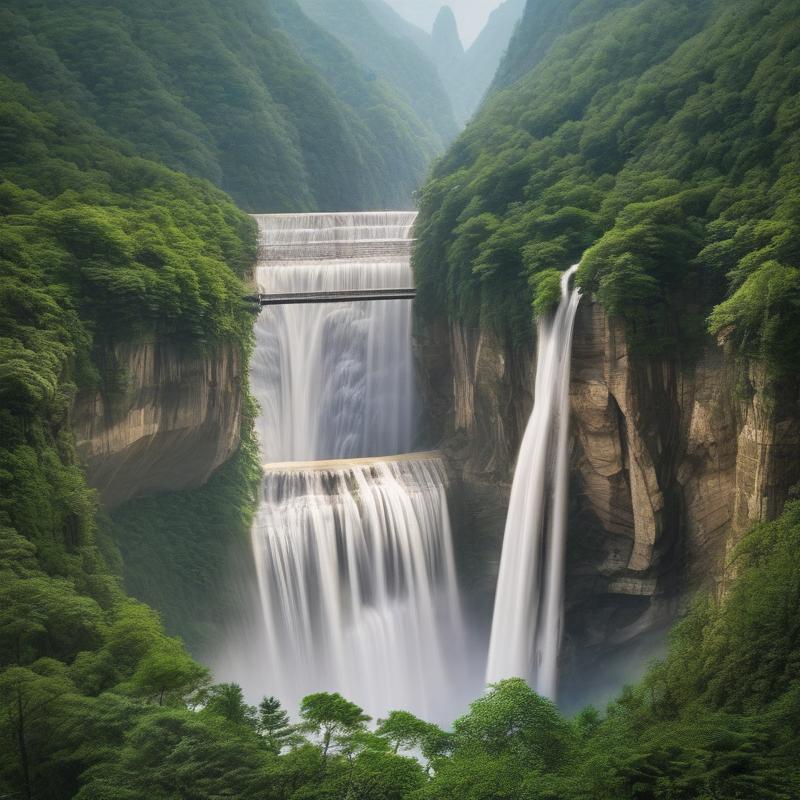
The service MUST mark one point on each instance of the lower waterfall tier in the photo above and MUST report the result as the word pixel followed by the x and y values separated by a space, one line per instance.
pixel 358 587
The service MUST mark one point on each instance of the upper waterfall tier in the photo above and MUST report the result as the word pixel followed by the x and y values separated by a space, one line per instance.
pixel 334 381
pixel 373 234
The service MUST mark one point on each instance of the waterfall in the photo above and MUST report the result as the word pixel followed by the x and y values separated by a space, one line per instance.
pixel 334 381
pixel 528 609
pixel 358 583
pixel 352 544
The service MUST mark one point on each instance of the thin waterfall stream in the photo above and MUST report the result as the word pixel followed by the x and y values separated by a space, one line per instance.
pixel 528 610
pixel 357 589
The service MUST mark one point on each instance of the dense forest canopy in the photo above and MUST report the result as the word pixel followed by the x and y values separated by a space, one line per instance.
pixel 659 143
pixel 280 119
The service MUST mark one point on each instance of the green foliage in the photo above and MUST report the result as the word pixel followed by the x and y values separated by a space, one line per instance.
pixel 546 291
pixel 97 245
pixel 217 91
pixel 404 731
pixel 273 725
pixel 332 719
pixel 180 549
pixel 126 245
pixel 656 141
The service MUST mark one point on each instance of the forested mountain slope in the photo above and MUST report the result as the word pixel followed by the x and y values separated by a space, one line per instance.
pixel 218 91
pixel 391 57
pixel 657 141
pixel 467 73
pixel 96 245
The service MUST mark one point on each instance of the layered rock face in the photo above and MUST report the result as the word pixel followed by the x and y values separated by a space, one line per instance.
pixel 173 418
pixel 672 461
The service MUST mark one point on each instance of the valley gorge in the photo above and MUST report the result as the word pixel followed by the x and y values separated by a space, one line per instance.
pixel 384 418
pixel 671 461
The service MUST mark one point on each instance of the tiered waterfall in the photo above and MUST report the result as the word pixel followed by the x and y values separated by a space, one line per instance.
pixel 352 542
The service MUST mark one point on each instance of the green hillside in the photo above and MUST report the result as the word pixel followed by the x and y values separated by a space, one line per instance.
pixel 389 57
pixel 96 244
pixel 395 146
pixel 658 142
pixel 218 91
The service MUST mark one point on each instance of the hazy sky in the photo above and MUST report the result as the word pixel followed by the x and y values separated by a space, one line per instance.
pixel 471 14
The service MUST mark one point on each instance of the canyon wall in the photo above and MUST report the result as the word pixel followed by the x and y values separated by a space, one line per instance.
pixel 672 461
pixel 172 417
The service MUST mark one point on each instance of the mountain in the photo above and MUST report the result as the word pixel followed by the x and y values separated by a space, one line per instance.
pixel 658 145
pixel 394 22
pixel 390 57
pixel 608 144
pixel 219 91
pixel 466 74
pixel 487 51
pixel 420 13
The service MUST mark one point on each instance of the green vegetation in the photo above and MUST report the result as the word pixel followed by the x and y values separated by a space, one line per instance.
pixel 181 550
pixel 390 57
pixel 90 231
pixel 719 717
pixel 216 90
pixel 96 244
pixel 660 143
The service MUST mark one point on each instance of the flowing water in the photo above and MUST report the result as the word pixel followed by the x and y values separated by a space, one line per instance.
pixel 356 578
pixel 358 582
pixel 527 624
pixel 334 381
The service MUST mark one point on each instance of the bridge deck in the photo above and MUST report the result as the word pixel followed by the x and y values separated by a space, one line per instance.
pixel 305 298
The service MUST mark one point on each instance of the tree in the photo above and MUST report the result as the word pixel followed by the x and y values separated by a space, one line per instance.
pixel 226 700
pixel 168 672
pixel 331 718
pixel 273 724
pixel 511 719
pixel 34 701
pixel 408 733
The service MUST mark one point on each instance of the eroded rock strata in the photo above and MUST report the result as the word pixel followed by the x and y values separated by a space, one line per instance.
pixel 171 419
pixel 672 461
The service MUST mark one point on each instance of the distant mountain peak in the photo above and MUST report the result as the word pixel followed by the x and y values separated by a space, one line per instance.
pixel 445 32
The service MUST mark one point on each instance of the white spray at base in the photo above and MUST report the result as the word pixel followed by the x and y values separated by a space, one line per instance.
pixel 528 609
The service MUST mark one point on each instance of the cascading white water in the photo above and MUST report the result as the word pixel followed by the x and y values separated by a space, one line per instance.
pixel 527 623
pixel 358 583
pixel 334 381
pixel 354 558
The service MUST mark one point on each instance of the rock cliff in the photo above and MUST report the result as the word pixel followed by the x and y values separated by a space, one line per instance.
pixel 672 461
pixel 172 417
